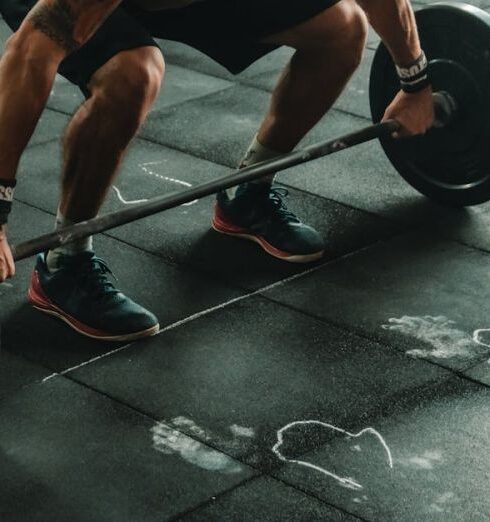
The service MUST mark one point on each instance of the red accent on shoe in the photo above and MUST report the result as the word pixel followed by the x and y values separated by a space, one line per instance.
pixel 220 224
pixel 40 301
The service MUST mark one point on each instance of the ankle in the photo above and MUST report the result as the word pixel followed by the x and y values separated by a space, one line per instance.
pixel 72 248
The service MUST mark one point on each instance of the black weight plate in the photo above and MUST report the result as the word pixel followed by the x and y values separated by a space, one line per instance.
pixel 450 165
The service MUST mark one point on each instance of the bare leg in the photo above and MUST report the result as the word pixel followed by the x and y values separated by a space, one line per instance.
pixel 122 92
pixel 98 135
pixel 329 49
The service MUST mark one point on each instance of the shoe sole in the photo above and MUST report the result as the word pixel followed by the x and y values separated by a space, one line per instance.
pixel 40 302
pixel 230 230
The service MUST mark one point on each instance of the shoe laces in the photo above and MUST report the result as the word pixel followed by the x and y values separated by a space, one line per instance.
pixel 276 200
pixel 93 274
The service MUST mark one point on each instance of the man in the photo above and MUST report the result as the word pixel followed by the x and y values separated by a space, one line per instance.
pixel 106 48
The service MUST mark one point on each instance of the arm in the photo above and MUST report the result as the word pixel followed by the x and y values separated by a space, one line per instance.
pixel 52 30
pixel 394 21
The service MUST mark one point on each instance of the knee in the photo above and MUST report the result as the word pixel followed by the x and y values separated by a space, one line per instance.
pixel 351 31
pixel 126 86
pixel 343 28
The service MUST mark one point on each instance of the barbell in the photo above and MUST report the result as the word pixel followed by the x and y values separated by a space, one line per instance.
pixel 449 164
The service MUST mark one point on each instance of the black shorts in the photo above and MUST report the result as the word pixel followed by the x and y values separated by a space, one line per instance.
pixel 229 31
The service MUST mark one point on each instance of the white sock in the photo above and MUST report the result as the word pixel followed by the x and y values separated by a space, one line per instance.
pixel 256 153
pixel 70 249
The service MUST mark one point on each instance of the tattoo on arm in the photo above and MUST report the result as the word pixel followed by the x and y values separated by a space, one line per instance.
pixel 57 21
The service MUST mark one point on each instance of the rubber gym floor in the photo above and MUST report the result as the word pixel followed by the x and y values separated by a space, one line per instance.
pixel 353 389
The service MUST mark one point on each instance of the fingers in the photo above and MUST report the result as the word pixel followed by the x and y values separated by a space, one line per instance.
pixel 10 262
pixel 408 127
pixel 7 265
pixel 414 115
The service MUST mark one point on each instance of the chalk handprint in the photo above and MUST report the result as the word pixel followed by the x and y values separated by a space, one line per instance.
pixel 446 339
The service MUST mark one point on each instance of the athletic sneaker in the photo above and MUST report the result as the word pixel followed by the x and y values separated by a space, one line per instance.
pixel 81 293
pixel 258 213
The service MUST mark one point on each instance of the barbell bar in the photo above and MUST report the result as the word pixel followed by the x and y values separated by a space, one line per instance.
pixel 445 109
pixel 175 199
pixel 450 164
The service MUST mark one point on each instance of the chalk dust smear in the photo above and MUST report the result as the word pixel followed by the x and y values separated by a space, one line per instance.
pixel 446 340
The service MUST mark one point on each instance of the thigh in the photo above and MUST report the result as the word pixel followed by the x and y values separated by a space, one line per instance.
pixel 325 26
pixel 120 32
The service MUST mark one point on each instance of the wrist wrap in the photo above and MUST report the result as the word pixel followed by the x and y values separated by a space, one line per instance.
pixel 415 77
pixel 6 198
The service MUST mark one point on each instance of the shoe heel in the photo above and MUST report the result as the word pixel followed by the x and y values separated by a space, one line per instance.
pixel 36 295
pixel 220 224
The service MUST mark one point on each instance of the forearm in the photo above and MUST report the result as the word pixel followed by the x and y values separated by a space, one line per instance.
pixel 394 21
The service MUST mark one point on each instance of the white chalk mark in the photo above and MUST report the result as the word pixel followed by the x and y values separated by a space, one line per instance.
pixel 192 429
pixel 420 462
pixel 426 461
pixel 149 171
pixel 178 437
pixel 235 300
pixel 477 336
pixel 86 363
pixel 443 499
pixel 49 377
pixel 360 500
pixel 347 482
pixel 198 315
pixel 124 201
pixel 241 431
pixel 168 440
pixel 447 340
pixel 191 426
pixel 145 167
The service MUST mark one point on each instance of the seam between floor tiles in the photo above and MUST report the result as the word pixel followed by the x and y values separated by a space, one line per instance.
pixel 252 479
pixel 194 270
pixel 189 319
pixel 200 315
pixel 171 106
pixel 259 292
pixel 217 279
pixel 209 501
pixel 311 494
pixel 352 330
pixel 278 283
pixel 240 459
